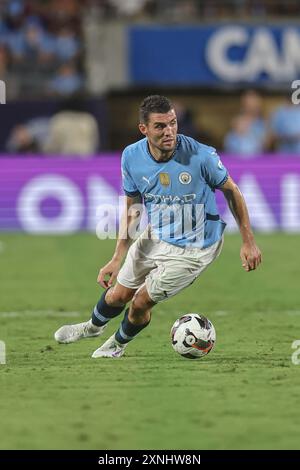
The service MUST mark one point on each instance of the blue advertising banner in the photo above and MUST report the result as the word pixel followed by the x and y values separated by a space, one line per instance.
pixel 214 55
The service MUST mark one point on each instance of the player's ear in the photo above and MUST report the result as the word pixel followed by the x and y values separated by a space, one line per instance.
pixel 143 128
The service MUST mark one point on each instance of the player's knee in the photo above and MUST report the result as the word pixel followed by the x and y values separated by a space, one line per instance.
pixel 119 296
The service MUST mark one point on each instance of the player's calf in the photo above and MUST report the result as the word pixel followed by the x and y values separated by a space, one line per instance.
pixel 103 312
pixel 136 318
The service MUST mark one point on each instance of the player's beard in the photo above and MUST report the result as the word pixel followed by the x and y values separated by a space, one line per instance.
pixel 165 148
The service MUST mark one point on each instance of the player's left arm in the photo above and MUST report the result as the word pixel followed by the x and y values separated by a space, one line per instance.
pixel 250 253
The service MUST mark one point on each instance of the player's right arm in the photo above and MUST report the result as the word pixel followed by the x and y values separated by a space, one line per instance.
pixel 217 177
pixel 131 214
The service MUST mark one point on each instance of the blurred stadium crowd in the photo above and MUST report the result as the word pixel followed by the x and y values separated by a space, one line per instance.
pixel 43 56
pixel 41 47
pixel 74 131
pixel 192 10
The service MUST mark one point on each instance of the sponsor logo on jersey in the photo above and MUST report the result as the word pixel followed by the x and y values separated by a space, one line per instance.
pixel 169 199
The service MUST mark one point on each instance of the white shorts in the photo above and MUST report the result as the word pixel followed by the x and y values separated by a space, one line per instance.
pixel 165 269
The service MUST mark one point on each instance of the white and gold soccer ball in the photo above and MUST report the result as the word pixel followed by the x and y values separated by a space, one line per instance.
pixel 193 336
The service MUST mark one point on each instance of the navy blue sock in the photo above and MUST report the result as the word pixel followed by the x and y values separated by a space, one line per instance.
pixel 127 330
pixel 103 312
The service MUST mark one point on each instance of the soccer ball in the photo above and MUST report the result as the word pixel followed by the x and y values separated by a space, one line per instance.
pixel 193 336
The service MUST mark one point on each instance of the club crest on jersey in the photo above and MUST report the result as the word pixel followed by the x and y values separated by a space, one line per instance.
pixel 164 179
pixel 185 177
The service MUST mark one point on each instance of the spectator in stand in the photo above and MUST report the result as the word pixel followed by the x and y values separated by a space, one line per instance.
pixel 3 61
pixel 248 135
pixel 38 45
pixel 185 119
pixel 244 140
pixel 285 128
pixel 67 44
pixel 73 131
pixel 29 137
pixel 252 107
pixel 67 81
pixel 39 38
pixel 66 10
pixel 5 73
pixel 14 15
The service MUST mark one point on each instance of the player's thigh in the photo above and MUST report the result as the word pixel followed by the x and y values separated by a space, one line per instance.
pixel 176 273
pixel 137 265
pixel 168 279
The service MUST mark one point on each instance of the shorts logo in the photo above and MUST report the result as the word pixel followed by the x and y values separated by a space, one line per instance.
pixel 164 179
pixel 185 177
pixel 220 165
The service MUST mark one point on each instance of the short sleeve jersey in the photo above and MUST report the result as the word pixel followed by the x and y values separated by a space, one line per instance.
pixel 179 194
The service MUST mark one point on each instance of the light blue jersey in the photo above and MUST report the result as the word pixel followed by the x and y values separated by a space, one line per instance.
pixel 179 194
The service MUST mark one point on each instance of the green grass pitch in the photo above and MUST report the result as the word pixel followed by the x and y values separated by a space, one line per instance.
pixel 244 395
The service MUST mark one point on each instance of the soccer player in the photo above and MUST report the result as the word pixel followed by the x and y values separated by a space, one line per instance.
pixel 176 177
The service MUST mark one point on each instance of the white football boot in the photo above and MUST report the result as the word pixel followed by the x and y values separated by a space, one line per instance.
pixel 72 333
pixel 111 348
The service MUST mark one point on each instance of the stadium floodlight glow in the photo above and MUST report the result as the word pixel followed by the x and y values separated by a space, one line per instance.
pixel 2 92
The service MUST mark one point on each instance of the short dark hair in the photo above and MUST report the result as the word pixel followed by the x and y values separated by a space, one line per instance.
pixel 154 104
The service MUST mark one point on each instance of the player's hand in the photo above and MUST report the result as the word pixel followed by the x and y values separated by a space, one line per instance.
pixel 251 256
pixel 110 270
